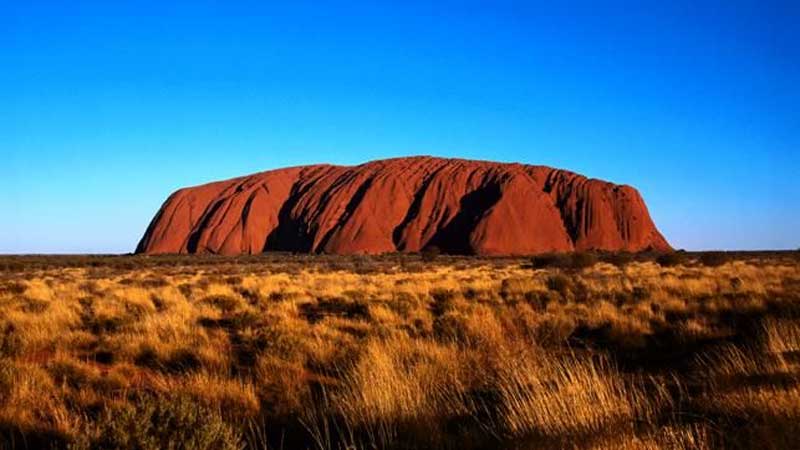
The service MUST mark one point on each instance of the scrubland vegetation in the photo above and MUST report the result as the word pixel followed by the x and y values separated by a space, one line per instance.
pixel 587 351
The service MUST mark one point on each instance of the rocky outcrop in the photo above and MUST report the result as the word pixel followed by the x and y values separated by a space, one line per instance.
pixel 405 205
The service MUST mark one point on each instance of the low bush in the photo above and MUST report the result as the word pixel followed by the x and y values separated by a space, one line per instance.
pixel 671 259
pixel 13 288
pixel 183 360
pixel 559 283
pixel 430 253
pixel 582 260
pixel 11 343
pixel 450 327
pixel 619 259
pixel 549 260
pixel 156 423
pixel 713 259
pixel 225 303
pixel 444 300
pixel 574 261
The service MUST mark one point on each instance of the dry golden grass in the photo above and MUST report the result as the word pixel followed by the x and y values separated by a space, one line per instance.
pixel 398 353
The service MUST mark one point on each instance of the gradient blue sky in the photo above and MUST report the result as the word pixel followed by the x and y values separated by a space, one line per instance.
pixel 107 107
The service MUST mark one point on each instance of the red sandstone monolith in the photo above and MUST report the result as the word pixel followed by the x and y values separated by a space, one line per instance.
pixel 404 205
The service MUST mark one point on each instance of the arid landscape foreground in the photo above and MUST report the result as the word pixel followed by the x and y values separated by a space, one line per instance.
pixel 582 351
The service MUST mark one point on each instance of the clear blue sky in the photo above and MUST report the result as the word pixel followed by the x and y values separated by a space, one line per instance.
pixel 107 107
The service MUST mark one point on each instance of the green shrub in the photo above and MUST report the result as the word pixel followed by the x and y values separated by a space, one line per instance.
pixel 549 260
pixel 450 327
pixel 640 293
pixel 576 261
pixel 582 260
pixel 671 259
pixel 147 357
pixel 334 307
pixel 430 253
pixel 403 303
pixel 713 259
pixel 13 288
pixel 559 283
pixel 154 282
pixel 225 303
pixel 444 300
pixel 11 343
pixel 619 259
pixel 252 296
pixel 69 373
pixel 183 360
pixel 161 423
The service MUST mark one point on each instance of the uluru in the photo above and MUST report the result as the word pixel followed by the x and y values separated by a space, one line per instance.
pixel 405 205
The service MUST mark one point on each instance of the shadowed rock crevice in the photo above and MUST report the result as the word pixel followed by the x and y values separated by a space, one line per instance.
pixel 412 213
pixel 354 203
pixel 203 227
pixel 291 234
pixel 455 237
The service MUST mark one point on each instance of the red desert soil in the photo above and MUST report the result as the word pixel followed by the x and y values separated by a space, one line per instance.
pixel 407 205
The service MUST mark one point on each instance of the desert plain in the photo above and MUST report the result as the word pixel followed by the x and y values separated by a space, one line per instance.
pixel 282 351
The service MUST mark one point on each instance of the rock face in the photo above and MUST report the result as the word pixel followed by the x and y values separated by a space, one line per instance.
pixel 406 205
